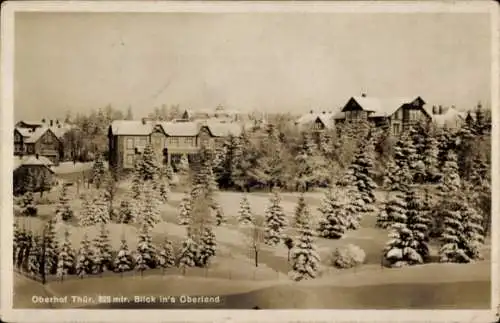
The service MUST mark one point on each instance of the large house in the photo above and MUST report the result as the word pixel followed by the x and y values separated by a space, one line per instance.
pixel 42 138
pixel 37 168
pixel 170 140
pixel 398 113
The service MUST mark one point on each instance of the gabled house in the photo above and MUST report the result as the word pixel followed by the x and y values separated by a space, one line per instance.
pixel 170 140
pixel 316 121
pixel 40 141
pixel 37 169
pixel 448 117
pixel 398 113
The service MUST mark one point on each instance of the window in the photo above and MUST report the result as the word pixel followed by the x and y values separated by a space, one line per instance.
pixel 141 141
pixel 31 149
pixel 17 137
pixel 130 143
pixel 415 115
pixel 47 139
pixel 174 141
pixel 396 128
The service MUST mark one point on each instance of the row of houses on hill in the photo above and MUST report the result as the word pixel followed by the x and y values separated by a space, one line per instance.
pixel 42 138
pixel 170 140
pixel 398 113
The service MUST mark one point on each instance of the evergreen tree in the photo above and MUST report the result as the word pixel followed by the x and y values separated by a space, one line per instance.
pixel 166 257
pixel 123 260
pixel 418 222
pixel 103 251
pixel 431 158
pixel 150 212
pixel 185 209
pixel 188 254
pixel 66 258
pixel 473 233
pixel 51 247
pixel 146 252
pixel 354 208
pixel 450 180
pixel 334 220
pixel 63 209
pixel 98 171
pixel 207 247
pixel 305 257
pixel 89 210
pixel 137 180
pixel 149 165
pixel 35 264
pixel 395 208
pixel 85 259
pixel 245 213
pixel 404 158
pixel 275 220
pixel 101 209
pixel 125 212
pixel 302 212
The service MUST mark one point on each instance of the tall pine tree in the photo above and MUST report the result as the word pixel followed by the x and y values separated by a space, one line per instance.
pixel 275 220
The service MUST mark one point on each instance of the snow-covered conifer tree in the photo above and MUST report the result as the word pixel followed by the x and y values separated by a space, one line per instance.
pixel 85 258
pixel 98 171
pixel 150 208
pixel 88 211
pixel 28 205
pixel 125 212
pixel 431 155
pixel 207 247
pixel 101 209
pixel 137 179
pixel 245 213
pixel 333 223
pixel 35 257
pixel 185 209
pixel 275 220
pixel 123 260
pixel 66 258
pixel 304 255
pixel 302 212
pixel 166 257
pixel 103 251
pixel 149 164
pixel 146 255
pixel 188 253
pixel 63 209
pixel 450 180
pixel 51 247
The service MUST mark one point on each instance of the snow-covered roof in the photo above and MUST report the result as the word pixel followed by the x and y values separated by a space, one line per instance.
pixel 175 129
pixel 326 118
pixel 381 107
pixel 32 160
pixel 37 134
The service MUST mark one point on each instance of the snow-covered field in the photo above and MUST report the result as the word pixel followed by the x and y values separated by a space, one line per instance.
pixel 233 271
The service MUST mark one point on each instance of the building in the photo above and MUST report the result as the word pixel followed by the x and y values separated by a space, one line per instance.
pixel 170 140
pixel 448 117
pixel 398 113
pixel 219 114
pixel 40 141
pixel 316 121
pixel 37 168
pixel 44 138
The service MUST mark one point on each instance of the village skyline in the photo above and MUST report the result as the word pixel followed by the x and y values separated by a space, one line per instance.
pixel 255 63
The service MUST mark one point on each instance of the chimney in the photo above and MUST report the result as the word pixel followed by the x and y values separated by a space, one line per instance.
pixel 51 122
pixel 440 109
pixel 143 120
pixel 324 112
pixel 43 120
pixel 434 110
pixel 37 156
pixel 57 121
pixel 311 112
pixel 363 95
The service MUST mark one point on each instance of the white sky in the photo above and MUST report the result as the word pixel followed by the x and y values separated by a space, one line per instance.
pixel 273 62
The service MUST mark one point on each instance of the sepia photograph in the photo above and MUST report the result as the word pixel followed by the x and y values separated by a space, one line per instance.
pixel 250 157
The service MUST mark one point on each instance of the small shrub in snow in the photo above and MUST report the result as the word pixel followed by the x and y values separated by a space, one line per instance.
pixel 348 256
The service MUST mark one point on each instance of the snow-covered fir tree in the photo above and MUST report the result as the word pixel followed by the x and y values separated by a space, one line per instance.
pixel 146 255
pixel 88 211
pixel 98 171
pixel 51 247
pixel 150 207
pixel 245 215
pixel 35 265
pixel 462 236
pixel 125 212
pixel 149 165
pixel 304 255
pixel 137 180
pixel 302 212
pixel 166 256
pixel 63 209
pixel 354 208
pixel 101 209
pixel 408 244
pixel 188 253
pixel 430 159
pixel 185 209
pixel 334 220
pixel 450 180
pixel 275 220
pixel 66 258
pixel 123 261
pixel 207 247
pixel 85 258
pixel 404 159
pixel 103 257
pixel 395 208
